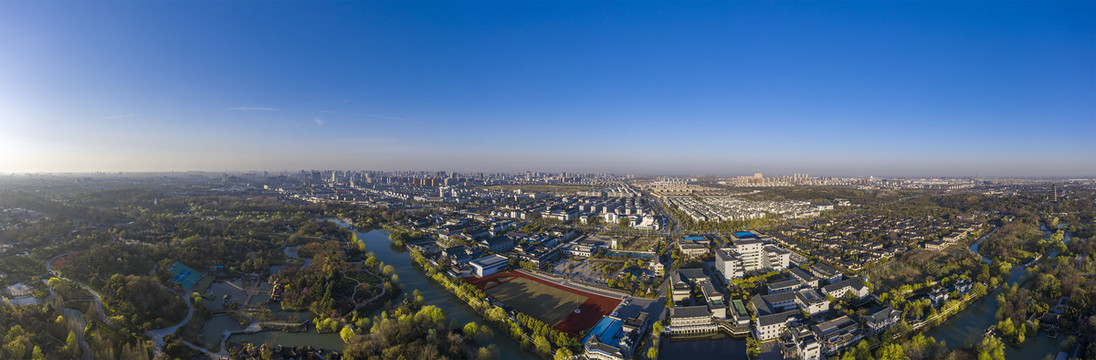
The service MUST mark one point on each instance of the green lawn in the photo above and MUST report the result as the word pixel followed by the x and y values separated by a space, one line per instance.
pixel 546 303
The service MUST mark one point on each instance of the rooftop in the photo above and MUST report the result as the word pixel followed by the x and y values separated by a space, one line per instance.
pixel 776 318
pixel 739 308
pixel 489 260
pixel 689 311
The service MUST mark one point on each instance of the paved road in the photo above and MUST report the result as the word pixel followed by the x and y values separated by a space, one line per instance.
pixel 158 335
pixel 98 299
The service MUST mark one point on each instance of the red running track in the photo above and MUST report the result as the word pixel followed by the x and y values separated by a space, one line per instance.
pixel 590 312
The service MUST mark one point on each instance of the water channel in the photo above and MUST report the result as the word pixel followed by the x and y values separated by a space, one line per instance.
pixel 702 348
pixel 970 324
pixel 412 278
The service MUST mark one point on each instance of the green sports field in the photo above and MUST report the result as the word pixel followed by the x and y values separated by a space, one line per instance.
pixel 546 303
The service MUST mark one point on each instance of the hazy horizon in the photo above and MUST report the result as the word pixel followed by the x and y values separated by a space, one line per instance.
pixel 894 89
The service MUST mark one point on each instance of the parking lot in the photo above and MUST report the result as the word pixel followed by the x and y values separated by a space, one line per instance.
pixel 591 271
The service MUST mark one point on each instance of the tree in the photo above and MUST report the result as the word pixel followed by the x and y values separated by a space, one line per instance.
pixel 563 354
pixel 36 354
pixel 991 348
pixel 347 333
pixel 471 329
pixel 70 342
pixel 542 345
pixel 892 352
pixel 1006 328
pixel 433 313
pixel 652 353
pixel 16 348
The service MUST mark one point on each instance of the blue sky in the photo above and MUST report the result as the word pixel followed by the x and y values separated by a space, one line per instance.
pixel 846 88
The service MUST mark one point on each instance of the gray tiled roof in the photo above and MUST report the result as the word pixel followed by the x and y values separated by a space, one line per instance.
pixel 689 311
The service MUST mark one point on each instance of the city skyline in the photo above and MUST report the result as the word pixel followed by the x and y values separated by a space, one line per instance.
pixel 847 89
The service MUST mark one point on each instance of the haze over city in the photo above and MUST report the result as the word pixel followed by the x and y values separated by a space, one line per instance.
pixel 533 180
pixel 838 89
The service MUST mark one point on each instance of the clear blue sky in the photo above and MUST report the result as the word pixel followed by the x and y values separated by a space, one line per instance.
pixel 847 88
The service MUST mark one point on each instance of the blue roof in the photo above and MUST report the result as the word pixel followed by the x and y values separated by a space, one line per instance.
pixel 744 234
pixel 607 331
pixel 694 238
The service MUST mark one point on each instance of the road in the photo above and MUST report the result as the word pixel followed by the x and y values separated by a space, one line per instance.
pixel 95 294
pixel 158 335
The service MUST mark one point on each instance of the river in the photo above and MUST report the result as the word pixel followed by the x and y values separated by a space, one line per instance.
pixel 411 278
pixel 971 323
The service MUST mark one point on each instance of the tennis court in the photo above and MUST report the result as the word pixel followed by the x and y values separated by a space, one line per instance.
pixel 184 275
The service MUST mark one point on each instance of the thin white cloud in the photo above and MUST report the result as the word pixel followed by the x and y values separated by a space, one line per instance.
pixel 319 122
pixel 395 118
pixel 383 117
pixel 121 116
pixel 254 108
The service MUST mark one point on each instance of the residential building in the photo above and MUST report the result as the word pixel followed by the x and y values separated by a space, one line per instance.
pixel 882 318
pixel 783 286
pixel 938 296
pixel 739 314
pixel 729 264
pixel 679 286
pixel 805 343
pixel 498 244
pixel 837 334
pixel 811 301
pixel 825 272
pixel 690 320
pixel 19 289
pixel 714 299
pixel 804 277
pixel 776 258
pixel 750 251
pixel 770 326
pixel 840 288
pixel 657 268
pixel 692 246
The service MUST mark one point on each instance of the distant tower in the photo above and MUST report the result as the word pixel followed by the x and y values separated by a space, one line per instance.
pixel 1054 191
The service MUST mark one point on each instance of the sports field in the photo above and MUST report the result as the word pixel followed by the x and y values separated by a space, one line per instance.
pixel 544 302
pixel 185 276
pixel 567 309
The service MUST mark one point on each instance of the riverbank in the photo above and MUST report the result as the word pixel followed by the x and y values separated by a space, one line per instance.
pixel 969 325
pixel 414 278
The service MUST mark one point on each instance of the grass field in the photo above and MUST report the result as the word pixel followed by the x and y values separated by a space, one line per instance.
pixel 546 303
pixel 546 188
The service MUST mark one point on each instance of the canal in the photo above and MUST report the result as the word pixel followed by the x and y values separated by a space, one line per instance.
pixel 716 345
pixel 412 278
pixel 971 323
